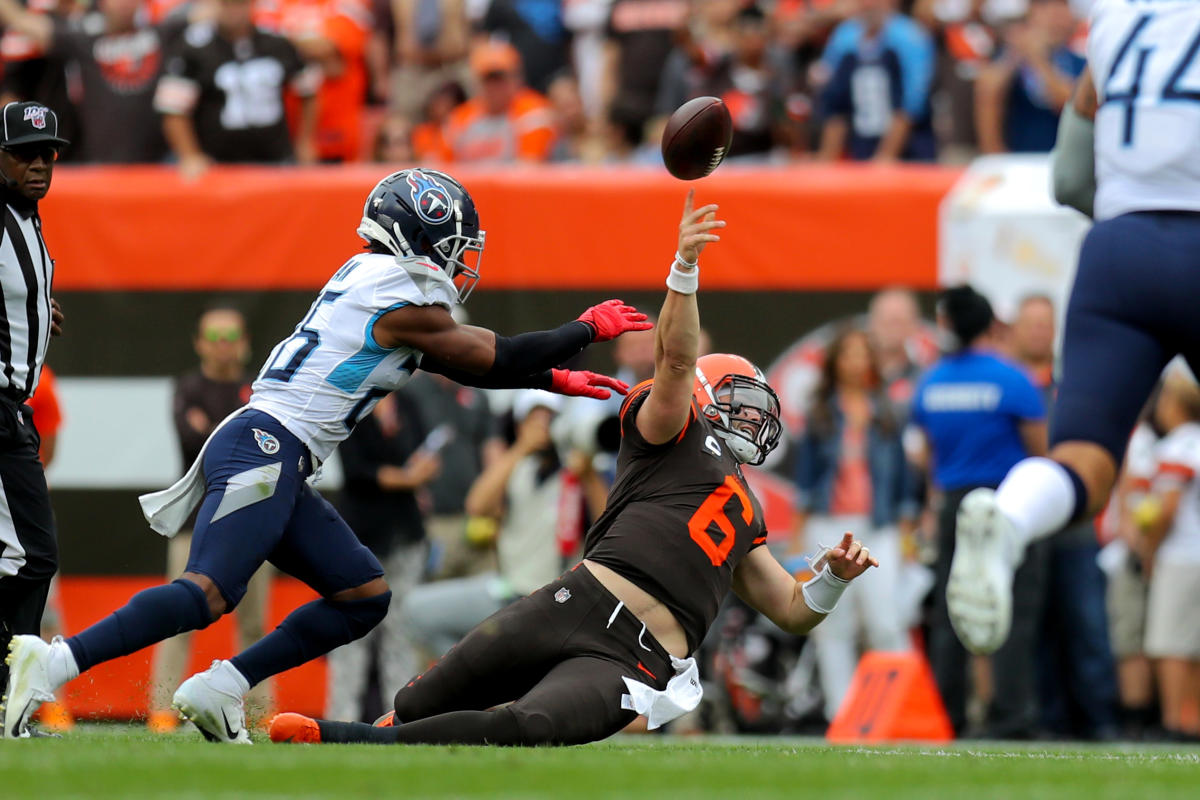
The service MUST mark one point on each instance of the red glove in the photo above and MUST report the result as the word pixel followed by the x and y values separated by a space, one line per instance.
pixel 581 383
pixel 612 318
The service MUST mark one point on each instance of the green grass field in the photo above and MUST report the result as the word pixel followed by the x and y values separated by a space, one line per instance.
pixel 126 762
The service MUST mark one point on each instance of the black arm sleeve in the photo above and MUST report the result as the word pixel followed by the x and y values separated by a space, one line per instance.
pixel 526 353
pixel 523 361
pixel 534 380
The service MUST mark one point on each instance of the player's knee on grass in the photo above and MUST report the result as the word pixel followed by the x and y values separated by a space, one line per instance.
pixel 412 704
pixel 568 719
pixel 541 727
pixel 535 727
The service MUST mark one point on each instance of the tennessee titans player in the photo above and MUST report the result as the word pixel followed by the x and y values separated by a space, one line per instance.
pixel 384 314
pixel 1132 305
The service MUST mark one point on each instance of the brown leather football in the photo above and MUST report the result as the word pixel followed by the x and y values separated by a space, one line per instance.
pixel 697 138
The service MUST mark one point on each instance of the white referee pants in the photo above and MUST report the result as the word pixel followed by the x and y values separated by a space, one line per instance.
pixel 869 613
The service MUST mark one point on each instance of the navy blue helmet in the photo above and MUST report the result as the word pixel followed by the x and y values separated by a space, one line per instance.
pixel 423 212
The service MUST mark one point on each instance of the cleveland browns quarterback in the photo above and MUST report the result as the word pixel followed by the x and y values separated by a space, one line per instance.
pixel 580 658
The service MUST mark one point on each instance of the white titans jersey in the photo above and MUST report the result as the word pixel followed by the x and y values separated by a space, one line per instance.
pixel 1143 58
pixel 330 373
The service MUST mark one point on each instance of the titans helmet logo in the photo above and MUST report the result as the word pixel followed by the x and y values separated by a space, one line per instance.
pixel 430 198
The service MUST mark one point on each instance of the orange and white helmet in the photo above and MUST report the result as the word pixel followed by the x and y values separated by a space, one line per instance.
pixel 735 397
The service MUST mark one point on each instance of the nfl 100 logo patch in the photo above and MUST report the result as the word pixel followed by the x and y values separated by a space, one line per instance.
pixel 36 115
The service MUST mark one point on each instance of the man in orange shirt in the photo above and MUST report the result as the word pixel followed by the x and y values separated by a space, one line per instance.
pixel 505 121
pixel 332 34
pixel 429 136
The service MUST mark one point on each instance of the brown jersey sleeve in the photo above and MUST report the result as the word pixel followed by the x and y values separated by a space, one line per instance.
pixel 631 436
pixel 760 524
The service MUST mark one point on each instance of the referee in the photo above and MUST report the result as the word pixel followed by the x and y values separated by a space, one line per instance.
pixel 29 145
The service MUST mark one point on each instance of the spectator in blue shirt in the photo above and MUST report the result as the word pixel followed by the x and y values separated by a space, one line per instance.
pixel 980 415
pixel 1018 97
pixel 876 102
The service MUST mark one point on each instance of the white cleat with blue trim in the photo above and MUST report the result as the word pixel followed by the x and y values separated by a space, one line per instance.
pixel 979 591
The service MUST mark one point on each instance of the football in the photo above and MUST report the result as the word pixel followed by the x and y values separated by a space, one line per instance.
pixel 697 138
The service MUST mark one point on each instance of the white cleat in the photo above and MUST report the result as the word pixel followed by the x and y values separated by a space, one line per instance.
pixel 979 592
pixel 28 686
pixel 217 713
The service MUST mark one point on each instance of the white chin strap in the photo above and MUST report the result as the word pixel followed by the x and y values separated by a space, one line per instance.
pixel 742 448
pixel 393 240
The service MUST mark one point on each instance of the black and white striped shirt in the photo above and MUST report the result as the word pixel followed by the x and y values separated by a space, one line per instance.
pixel 26 275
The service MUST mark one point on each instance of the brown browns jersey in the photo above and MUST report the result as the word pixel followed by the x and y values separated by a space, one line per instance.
pixel 679 518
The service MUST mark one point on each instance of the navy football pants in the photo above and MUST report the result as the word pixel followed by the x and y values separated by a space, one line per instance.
pixel 258 508
pixel 1134 306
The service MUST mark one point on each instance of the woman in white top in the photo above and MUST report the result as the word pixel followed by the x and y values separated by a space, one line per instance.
pixel 1170 520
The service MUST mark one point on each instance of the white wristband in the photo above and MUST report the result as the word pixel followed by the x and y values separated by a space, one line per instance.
pixel 822 591
pixel 684 281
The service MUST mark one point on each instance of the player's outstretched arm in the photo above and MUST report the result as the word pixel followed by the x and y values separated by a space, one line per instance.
pixel 479 357
pixel 677 337
pixel 798 607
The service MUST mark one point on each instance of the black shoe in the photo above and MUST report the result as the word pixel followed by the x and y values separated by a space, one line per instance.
pixel 1140 723
pixel 1153 733
pixel 1180 737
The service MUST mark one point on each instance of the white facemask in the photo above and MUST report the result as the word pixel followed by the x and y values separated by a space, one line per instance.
pixel 742 448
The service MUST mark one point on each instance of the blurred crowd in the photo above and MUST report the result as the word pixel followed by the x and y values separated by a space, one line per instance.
pixel 195 82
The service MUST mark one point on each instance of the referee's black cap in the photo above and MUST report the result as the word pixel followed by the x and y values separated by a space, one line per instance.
pixel 29 123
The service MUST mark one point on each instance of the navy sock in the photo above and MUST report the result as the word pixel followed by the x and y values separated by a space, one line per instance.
pixel 150 616
pixel 310 631
pixel 1081 494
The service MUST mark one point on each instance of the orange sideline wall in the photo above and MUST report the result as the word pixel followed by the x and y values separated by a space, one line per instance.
pixel 843 227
